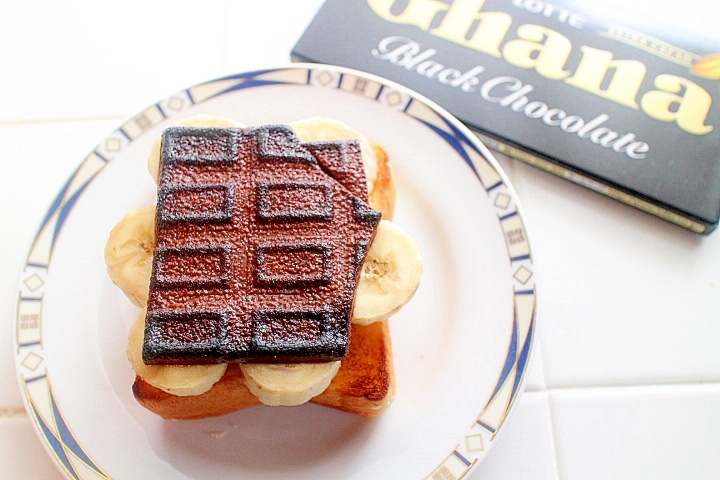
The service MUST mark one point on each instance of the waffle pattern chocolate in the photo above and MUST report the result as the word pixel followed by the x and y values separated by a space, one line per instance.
pixel 259 240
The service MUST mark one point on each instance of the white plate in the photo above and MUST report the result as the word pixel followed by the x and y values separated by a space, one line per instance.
pixel 461 346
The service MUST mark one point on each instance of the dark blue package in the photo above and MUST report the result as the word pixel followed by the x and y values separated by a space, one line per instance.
pixel 625 106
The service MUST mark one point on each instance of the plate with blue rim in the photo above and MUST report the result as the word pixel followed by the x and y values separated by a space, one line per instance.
pixel 461 347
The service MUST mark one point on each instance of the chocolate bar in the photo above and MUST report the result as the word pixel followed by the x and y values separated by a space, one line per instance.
pixel 259 241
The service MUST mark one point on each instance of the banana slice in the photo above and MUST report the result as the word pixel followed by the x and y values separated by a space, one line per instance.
pixel 196 121
pixel 180 380
pixel 389 276
pixel 316 129
pixel 129 253
pixel 288 384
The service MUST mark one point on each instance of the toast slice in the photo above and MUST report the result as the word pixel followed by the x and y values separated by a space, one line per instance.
pixel 364 385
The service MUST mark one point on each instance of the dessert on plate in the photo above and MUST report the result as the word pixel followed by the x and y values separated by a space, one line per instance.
pixel 266 271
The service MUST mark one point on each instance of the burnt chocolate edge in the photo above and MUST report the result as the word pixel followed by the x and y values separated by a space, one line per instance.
pixel 223 216
pixel 262 190
pixel 364 213
pixel 332 343
pixel 361 250
pixel 172 134
pixel 157 351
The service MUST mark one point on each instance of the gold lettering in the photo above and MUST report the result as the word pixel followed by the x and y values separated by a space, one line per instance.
pixel 459 20
pixel 547 51
pixel 548 57
pixel 457 24
pixel 623 85
pixel 689 109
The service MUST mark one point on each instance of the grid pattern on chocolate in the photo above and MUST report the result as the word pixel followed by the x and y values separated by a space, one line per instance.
pixel 288 200
pixel 199 145
pixel 192 266
pixel 287 332
pixel 195 203
pixel 279 143
pixel 258 254
pixel 294 264
pixel 196 336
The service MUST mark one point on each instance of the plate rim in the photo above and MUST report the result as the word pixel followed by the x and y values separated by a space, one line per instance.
pixel 58 440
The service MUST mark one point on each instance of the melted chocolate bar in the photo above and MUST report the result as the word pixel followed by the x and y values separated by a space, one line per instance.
pixel 259 242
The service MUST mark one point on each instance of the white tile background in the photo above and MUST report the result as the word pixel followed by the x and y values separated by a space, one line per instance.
pixel 625 383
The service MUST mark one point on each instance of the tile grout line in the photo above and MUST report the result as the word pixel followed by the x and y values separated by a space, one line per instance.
pixel 554 443
pixel 687 386
pixel 551 423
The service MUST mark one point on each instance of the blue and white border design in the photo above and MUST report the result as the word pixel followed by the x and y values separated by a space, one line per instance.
pixel 34 379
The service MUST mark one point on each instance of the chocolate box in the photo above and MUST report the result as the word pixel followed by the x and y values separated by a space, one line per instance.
pixel 622 105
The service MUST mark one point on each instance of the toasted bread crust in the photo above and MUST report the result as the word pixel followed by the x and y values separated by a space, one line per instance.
pixel 364 385
pixel 227 395
pixel 382 197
